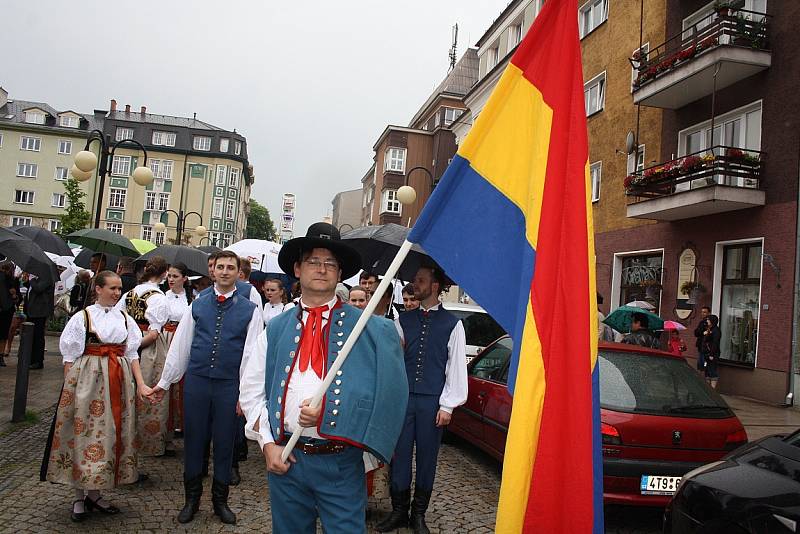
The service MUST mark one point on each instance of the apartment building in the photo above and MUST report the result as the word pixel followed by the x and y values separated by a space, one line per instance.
pixel 346 209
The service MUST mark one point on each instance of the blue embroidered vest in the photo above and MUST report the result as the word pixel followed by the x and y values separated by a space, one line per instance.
pixel 219 335
pixel 365 405
pixel 426 336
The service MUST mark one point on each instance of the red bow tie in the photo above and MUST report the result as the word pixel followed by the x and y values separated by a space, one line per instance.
pixel 312 349
pixel 221 298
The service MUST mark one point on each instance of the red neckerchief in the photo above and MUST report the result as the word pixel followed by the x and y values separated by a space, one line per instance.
pixel 312 344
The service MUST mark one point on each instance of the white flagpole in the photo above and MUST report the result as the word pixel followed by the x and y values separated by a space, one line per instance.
pixel 351 340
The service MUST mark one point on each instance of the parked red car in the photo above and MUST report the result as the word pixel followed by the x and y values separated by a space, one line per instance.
pixel 659 419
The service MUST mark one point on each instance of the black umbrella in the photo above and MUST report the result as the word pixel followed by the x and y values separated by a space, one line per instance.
pixel 27 255
pixel 208 249
pixel 195 260
pixel 378 245
pixel 84 257
pixel 47 240
pixel 106 241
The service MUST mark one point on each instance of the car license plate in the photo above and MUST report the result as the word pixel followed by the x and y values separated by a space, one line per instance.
pixel 659 485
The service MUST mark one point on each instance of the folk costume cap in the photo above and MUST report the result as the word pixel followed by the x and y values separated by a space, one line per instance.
pixel 320 235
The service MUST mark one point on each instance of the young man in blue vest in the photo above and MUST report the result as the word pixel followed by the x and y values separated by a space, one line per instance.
pixel 362 410
pixel 207 349
pixel 436 368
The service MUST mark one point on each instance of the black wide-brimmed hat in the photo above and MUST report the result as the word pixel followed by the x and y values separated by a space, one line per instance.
pixel 320 235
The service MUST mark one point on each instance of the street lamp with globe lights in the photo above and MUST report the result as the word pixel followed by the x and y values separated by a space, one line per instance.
pixel 407 194
pixel 86 162
pixel 199 230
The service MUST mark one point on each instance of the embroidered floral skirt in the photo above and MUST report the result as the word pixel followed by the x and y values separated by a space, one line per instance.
pixel 86 451
pixel 151 422
pixel 175 421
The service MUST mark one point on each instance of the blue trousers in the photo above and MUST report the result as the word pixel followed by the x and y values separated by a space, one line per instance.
pixel 420 428
pixel 329 486
pixel 209 412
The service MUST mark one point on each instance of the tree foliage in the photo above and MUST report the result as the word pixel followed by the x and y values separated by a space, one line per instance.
pixel 259 223
pixel 75 216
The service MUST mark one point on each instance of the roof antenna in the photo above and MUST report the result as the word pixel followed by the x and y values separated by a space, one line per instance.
pixel 453 49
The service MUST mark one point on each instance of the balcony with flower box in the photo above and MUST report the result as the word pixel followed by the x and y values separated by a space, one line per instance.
pixel 734 44
pixel 712 181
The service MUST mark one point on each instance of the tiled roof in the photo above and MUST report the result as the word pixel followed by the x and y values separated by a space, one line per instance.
pixel 164 120
pixel 13 111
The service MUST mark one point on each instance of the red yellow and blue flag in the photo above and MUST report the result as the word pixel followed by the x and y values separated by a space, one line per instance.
pixel 511 223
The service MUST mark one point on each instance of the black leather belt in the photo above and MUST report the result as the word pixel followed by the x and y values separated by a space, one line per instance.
pixel 317 446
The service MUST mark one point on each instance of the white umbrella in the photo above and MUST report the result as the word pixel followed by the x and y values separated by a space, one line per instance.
pixel 643 304
pixel 263 255
pixel 61 261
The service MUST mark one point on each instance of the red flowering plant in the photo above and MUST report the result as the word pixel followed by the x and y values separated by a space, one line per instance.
pixel 691 163
pixel 683 55
pixel 740 156
pixel 706 43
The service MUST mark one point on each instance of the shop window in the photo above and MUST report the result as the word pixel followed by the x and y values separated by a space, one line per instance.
pixel 641 279
pixel 740 302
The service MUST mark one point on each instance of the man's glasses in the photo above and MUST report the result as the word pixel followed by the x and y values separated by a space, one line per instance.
pixel 316 263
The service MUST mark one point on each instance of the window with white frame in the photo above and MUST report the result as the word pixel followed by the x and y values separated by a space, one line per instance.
pixel 217 208
pixel 163 201
pixel 30 143
pixel 166 169
pixel 159 239
pixel 34 117
pixel 594 94
pixel 450 115
pixel 230 209
pixel 640 278
pixel 1 139
pixel 68 121
pixel 62 173
pixel 492 57
pixel 27 170
pixel 237 147
pixel 636 160
pixel 54 225
pixel 64 146
pixel 123 133
pixel 163 138
pixel 389 202
pixel 150 201
pixel 740 128
pixel 58 200
pixel 147 232
pixel 114 227
pixel 23 197
pixel 223 144
pixel 233 177
pixel 222 172
pixel 20 221
pixel 514 34
pixel 116 198
pixel 740 300
pixel 596 173
pixel 591 15
pixel 121 166
pixel 395 160
pixel 201 142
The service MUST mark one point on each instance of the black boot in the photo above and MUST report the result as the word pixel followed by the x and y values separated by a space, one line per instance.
pixel 418 508
pixel 399 516
pixel 235 477
pixel 194 490
pixel 219 498
pixel 2 361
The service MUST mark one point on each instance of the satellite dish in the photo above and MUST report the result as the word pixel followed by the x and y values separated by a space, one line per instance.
pixel 630 143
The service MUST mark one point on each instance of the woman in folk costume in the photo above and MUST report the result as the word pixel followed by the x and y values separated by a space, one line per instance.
pixel 92 446
pixel 179 297
pixel 147 305
pixel 276 299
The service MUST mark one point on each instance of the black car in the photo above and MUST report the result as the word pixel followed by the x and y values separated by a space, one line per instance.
pixel 755 489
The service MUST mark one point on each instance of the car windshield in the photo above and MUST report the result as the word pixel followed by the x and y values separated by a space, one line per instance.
pixel 480 328
pixel 793 439
pixel 644 383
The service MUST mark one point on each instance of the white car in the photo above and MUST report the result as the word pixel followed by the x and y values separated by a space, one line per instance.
pixel 480 328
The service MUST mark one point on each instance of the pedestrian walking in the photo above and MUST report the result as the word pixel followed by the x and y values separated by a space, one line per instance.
pixel 436 369
pixel 147 305
pixel 361 411
pixel 699 333
pixel 277 301
pixel 178 298
pixel 93 444
pixel 39 304
pixel 8 285
pixel 675 344
pixel 207 352
pixel 711 350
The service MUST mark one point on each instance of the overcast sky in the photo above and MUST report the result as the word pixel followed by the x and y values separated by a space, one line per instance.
pixel 310 84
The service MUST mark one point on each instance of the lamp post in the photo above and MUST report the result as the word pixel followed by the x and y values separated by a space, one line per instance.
pixel 86 162
pixel 407 194
pixel 345 224
pixel 208 240
pixel 199 230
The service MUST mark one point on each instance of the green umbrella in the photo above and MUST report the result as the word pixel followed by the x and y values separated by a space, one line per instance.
pixel 143 246
pixel 100 240
pixel 620 319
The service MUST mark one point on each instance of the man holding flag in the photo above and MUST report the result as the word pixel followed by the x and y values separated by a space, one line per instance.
pixel 519 185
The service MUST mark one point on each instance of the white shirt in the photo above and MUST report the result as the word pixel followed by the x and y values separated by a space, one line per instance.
pixel 176 305
pixel 455 374
pixel 157 312
pixel 108 324
pixel 255 298
pixel 253 396
pixel 181 347
pixel 273 310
